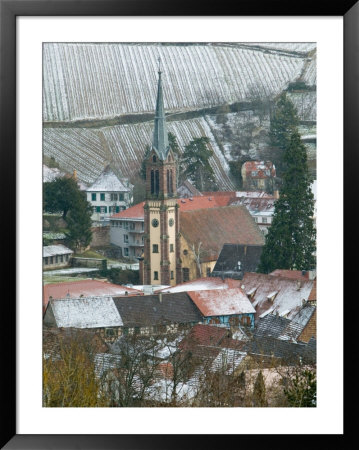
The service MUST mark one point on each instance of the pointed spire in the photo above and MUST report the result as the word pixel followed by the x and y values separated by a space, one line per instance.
pixel 160 135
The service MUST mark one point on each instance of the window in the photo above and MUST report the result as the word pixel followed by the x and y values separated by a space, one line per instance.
pixel 109 332
pixel 155 223
pixel 155 248
pixel 125 251
pixel 114 197
pixel 125 225
pixel 155 275
pixel 185 272
pixel 46 260
pixel 61 258
pixel 104 209
pixel 51 259
pixel 125 238
pixel 142 226
pixel 171 248
pixel 56 259
pixel 98 209
pixel 117 209
pixel 208 271
pixel 264 220
pixel 245 320
pixel 132 226
pixel 122 197
pixel 172 275
pixel 93 197
pixel 102 197
pixel 185 252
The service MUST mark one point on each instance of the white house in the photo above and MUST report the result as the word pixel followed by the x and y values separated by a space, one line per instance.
pixel 109 195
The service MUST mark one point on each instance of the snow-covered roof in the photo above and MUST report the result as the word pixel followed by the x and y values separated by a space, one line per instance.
pixel 53 250
pixel 228 360
pixel 291 293
pixel 108 182
pixel 221 302
pixel 205 283
pixel 50 174
pixel 90 312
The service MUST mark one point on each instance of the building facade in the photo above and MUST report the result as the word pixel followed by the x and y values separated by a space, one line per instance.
pixel 108 195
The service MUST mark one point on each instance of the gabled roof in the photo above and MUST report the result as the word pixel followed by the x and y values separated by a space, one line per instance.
pixel 222 302
pixel 152 310
pixel 90 312
pixel 231 254
pixel 276 294
pixel 297 325
pixel 218 226
pixel 135 212
pixel 53 250
pixel 107 182
pixel 205 283
pixel 84 288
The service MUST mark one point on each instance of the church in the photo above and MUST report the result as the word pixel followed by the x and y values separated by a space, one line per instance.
pixel 161 262
pixel 182 238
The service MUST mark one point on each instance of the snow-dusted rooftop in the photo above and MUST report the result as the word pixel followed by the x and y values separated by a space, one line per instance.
pixel 108 182
pixel 53 250
pixel 222 302
pixel 90 312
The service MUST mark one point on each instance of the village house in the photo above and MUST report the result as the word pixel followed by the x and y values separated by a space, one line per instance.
pixel 108 195
pixel 258 175
pixel 113 316
pixel 228 307
pixel 56 256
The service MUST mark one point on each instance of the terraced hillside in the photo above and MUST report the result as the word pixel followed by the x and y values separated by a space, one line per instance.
pixel 99 99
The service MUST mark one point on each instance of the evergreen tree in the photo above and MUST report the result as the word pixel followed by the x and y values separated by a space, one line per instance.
pixel 79 223
pixel 302 391
pixel 290 242
pixel 259 391
pixel 284 121
pixel 60 195
pixel 196 160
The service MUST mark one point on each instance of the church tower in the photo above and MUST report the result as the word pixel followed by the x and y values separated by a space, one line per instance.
pixel 161 259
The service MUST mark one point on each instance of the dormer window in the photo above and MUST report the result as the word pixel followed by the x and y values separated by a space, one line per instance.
pixel 154 159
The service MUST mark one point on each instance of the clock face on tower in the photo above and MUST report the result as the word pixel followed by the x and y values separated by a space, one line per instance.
pixel 171 222
pixel 154 222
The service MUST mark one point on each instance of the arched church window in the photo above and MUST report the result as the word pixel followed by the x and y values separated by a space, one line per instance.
pixel 157 182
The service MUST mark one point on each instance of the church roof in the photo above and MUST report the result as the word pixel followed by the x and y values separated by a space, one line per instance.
pixel 160 134
pixel 215 227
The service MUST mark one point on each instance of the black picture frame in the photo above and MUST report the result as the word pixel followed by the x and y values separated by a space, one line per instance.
pixel 9 10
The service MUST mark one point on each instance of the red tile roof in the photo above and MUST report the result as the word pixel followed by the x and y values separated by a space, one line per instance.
pixel 185 204
pixel 260 167
pixel 221 302
pixel 203 335
pixel 218 226
pixel 293 274
pixel 134 212
pixel 85 288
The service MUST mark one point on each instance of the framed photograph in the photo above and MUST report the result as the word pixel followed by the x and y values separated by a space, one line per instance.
pixel 44 106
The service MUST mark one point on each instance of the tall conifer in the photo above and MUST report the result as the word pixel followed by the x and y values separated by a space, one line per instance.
pixel 290 242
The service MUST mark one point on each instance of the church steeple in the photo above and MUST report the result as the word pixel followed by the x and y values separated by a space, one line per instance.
pixel 160 134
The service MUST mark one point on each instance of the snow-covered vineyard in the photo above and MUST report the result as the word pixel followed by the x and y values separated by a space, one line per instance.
pixel 109 81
